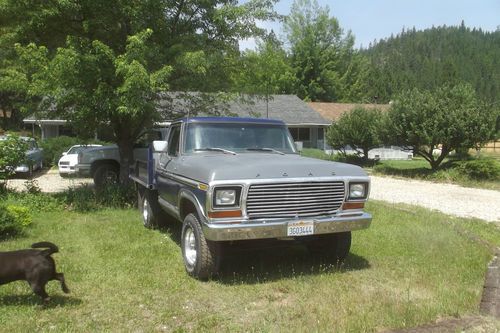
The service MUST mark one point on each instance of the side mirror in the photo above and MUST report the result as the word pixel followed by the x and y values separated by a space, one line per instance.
pixel 64 153
pixel 160 146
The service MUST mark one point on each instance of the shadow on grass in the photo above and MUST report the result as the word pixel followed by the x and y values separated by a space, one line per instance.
pixel 407 173
pixel 273 263
pixel 260 261
pixel 31 299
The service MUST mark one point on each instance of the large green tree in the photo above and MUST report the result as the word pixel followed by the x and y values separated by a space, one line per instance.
pixel 448 118
pixel 107 61
pixel 326 65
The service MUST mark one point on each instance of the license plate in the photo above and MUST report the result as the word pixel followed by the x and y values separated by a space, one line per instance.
pixel 300 228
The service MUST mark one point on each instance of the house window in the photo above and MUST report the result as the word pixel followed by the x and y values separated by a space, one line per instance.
pixel 300 133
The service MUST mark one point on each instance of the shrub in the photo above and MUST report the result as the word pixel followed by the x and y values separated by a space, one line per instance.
pixel 54 147
pixel 13 220
pixel 12 153
pixel 481 169
pixel 353 159
pixel 87 198
pixel 35 202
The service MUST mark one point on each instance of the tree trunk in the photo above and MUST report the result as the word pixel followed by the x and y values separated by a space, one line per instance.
pixel 126 149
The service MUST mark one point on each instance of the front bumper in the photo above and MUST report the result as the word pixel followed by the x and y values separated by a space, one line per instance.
pixel 278 229
pixel 23 168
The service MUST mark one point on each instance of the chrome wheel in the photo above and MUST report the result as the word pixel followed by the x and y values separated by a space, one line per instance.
pixel 145 212
pixel 190 252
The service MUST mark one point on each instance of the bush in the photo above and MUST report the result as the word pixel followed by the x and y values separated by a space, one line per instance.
pixel 87 198
pixel 481 169
pixel 34 202
pixel 353 159
pixel 54 147
pixel 13 220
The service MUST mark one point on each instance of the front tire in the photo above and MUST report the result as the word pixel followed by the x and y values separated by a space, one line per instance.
pixel 106 174
pixel 201 257
pixel 332 246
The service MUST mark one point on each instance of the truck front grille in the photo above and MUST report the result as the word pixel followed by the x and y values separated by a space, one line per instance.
pixel 283 200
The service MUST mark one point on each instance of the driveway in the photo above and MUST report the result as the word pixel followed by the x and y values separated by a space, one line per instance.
pixel 447 198
pixel 49 181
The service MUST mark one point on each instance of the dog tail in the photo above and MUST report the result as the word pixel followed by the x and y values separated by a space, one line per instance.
pixel 51 248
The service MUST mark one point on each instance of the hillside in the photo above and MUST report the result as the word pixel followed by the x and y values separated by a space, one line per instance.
pixel 429 58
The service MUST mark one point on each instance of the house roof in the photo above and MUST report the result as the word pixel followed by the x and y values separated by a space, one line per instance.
pixel 333 111
pixel 287 108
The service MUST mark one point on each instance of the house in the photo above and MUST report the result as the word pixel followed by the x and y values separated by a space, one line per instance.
pixel 306 125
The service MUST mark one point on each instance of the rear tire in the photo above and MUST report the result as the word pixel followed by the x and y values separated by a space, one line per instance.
pixel 106 174
pixel 148 206
pixel 202 258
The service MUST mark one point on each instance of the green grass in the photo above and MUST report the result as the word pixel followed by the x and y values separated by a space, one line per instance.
pixel 409 268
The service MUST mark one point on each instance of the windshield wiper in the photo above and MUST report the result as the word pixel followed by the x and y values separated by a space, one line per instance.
pixel 225 151
pixel 267 149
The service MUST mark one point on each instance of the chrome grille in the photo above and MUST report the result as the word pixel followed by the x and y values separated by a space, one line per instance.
pixel 305 199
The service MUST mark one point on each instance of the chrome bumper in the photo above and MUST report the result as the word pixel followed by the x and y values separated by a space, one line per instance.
pixel 278 229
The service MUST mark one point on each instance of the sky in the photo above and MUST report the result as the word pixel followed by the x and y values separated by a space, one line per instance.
pixel 376 19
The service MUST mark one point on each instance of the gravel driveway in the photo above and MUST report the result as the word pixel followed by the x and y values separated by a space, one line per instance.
pixel 446 198
pixel 49 181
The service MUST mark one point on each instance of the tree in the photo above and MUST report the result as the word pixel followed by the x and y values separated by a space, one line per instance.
pixel 107 62
pixel 265 71
pixel 12 154
pixel 358 128
pixel 449 118
pixel 322 55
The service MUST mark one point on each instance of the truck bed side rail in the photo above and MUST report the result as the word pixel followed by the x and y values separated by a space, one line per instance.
pixel 143 171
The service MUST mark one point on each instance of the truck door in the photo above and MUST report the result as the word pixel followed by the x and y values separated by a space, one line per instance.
pixel 167 184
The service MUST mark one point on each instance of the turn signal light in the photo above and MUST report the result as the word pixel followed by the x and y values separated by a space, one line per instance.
pixel 353 205
pixel 224 214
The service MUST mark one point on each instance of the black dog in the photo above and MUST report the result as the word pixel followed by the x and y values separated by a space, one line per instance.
pixel 35 266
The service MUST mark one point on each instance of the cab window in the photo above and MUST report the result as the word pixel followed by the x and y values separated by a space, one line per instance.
pixel 174 141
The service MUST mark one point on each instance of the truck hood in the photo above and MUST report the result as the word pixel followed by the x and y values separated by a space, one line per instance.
pixel 213 167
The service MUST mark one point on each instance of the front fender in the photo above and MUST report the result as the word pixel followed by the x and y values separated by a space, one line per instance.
pixel 197 200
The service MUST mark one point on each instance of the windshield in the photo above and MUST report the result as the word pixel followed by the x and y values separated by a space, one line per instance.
pixel 77 149
pixel 238 137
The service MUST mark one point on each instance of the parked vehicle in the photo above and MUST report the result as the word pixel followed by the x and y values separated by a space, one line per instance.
pixel 34 157
pixel 103 163
pixel 242 179
pixel 69 159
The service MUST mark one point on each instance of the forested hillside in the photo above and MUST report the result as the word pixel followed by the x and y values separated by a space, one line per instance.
pixel 433 57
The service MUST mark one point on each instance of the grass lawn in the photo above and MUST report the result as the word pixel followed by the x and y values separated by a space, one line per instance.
pixel 411 267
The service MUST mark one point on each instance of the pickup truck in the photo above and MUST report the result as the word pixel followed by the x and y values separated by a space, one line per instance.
pixel 242 179
pixel 102 163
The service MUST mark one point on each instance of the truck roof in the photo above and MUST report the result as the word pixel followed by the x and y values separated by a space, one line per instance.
pixel 231 120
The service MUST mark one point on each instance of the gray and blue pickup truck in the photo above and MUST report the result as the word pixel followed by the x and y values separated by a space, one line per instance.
pixel 237 179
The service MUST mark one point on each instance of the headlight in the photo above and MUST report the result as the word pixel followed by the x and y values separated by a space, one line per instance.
pixel 227 197
pixel 357 190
